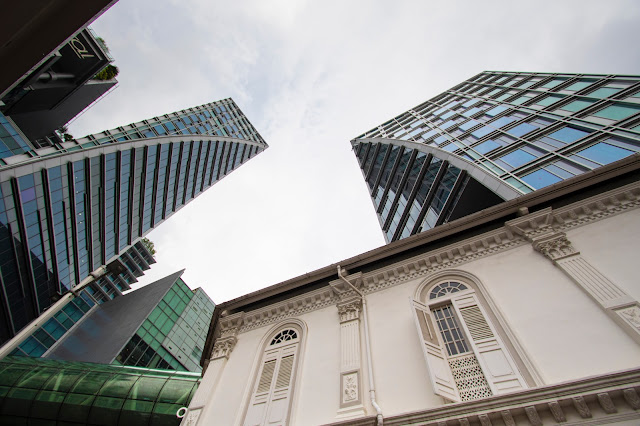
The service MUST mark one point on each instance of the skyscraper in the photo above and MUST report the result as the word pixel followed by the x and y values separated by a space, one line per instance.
pixel 494 137
pixel 161 325
pixel 69 208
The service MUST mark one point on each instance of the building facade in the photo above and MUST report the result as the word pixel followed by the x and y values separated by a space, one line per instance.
pixel 69 208
pixel 131 265
pixel 162 325
pixel 491 138
pixel 525 313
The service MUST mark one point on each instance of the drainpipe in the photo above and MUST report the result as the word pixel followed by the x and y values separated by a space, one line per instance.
pixel 367 344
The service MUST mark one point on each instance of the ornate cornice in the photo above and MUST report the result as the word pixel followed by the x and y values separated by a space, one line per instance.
pixel 540 226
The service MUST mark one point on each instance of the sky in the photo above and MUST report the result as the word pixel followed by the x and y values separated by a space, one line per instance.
pixel 311 76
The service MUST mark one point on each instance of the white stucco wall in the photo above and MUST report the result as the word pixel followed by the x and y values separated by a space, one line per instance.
pixel 562 331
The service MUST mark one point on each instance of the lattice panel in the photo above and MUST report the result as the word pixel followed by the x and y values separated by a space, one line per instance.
pixel 469 378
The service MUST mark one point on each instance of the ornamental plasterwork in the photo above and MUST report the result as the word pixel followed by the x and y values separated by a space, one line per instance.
pixel 350 310
pixel 350 387
pixel 631 315
pixel 223 347
pixel 515 233
pixel 555 247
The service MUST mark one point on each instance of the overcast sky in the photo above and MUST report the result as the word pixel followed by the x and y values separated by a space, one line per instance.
pixel 311 76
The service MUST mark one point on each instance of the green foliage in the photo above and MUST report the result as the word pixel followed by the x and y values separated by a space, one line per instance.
pixel 149 245
pixel 108 73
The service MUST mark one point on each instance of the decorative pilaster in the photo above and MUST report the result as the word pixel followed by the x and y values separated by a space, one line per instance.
pixel 217 360
pixel 350 359
pixel 540 230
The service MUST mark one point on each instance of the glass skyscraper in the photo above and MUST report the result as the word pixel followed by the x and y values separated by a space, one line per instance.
pixel 492 138
pixel 161 325
pixel 69 208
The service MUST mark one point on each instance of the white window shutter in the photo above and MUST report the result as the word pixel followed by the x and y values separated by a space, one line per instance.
pixel 270 402
pixel 437 364
pixel 279 404
pixel 498 366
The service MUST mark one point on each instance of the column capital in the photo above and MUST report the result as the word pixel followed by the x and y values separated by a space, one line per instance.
pixel 555 246
pixel 223 347
pixel 349 309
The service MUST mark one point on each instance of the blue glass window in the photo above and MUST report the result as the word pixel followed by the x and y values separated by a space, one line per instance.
pixel 568 134
pixel 486 146
pixel 502 121
pixel 495 111
pixel 441 139
pixel 604 153
pixel 482 131
pixel 517 158
pixel 469 124
pixel 470 102
pixel 471 111
pixel 522 129
pixel 540 179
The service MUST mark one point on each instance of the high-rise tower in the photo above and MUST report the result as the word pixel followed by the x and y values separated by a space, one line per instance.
pixel 491 138
pixel 67 209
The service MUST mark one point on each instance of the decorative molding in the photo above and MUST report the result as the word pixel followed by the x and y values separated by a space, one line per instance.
pixel 631 315
pixel 350 391
pixel 555 247
pixel 581 406
pixel 532 415
pixel 191 419
pixel 507 418
pixel 484 420
pixel 606 403
pixel 556 412
pixel 631 396
pixel 605 399
pixel 223 347
pixel 463 422
pixel 515 233
pixel 350 310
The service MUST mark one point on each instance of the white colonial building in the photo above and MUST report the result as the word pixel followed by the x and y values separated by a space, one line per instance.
pixel 525 313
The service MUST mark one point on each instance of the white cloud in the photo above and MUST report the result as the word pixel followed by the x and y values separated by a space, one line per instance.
pixel 311 76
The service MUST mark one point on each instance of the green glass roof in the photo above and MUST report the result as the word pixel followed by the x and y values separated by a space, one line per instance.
pixel 49 392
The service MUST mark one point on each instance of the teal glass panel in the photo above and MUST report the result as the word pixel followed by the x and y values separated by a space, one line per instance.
pixel 496 110
pixel 147 388
pixel 175 391
pixel 76 408
pixel 579 85
pixel 135 412
pixel 47 404
pixel 553 83
pixel 118 386
pixel 617 112
pixel 604 92
pixel 576 106
pixel 520 100
pixel 549 100
pixel 106 410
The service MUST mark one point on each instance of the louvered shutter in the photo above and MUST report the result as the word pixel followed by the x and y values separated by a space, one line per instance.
pixel 433 349
pixel 279 404
pixel 270 402
pixel 497 364
pixel 259 401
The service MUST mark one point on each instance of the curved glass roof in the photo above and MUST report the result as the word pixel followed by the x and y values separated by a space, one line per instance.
pixel 49 392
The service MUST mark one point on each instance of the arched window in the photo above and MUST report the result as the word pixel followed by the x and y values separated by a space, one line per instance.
pixel 466 356
pixel 271 397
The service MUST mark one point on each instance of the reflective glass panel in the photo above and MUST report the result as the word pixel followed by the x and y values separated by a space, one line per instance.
pixel 617 112
pixel 540 179
pixel 604 153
